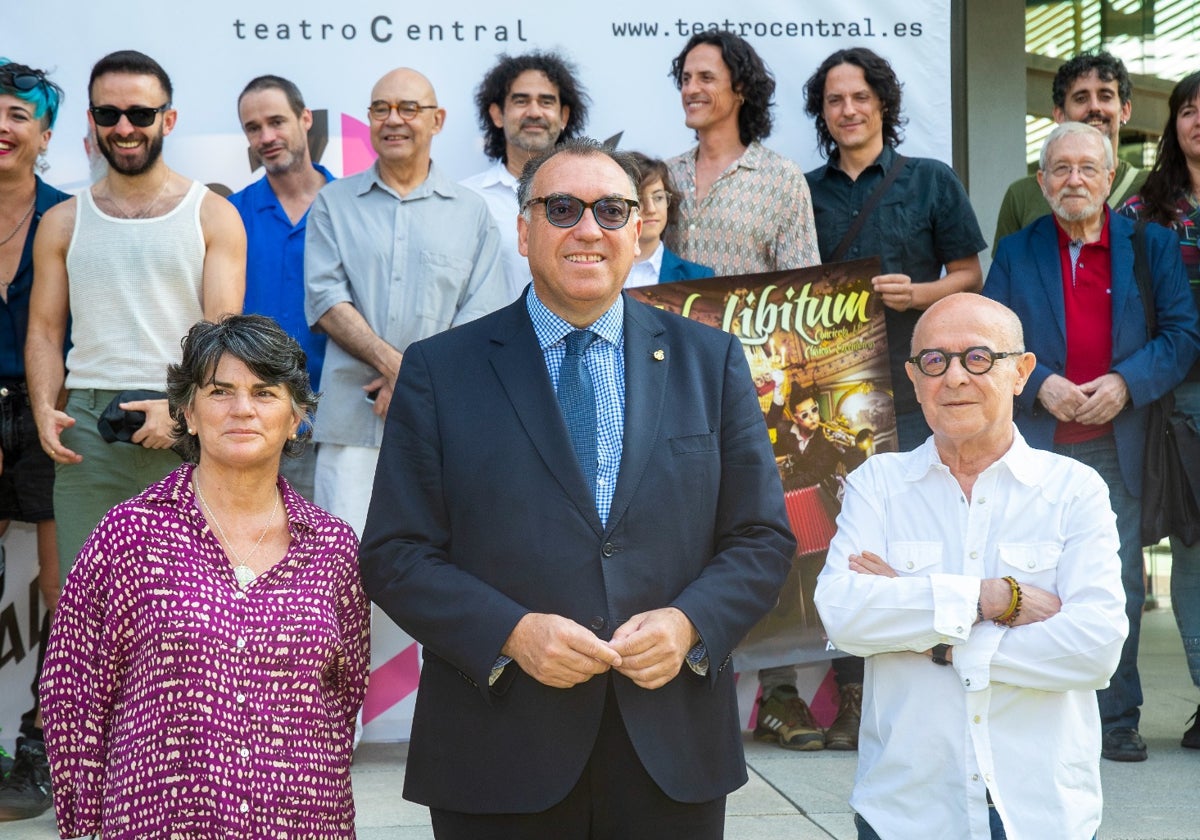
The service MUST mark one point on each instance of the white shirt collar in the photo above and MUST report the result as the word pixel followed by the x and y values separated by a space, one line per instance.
pixel 646 272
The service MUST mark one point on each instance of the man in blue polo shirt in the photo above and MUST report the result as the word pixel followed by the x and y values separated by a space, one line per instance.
pixel 274 210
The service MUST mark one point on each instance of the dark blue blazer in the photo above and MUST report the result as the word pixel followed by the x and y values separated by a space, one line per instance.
pixel 1027 277
pixel 675 267
pixel 481 514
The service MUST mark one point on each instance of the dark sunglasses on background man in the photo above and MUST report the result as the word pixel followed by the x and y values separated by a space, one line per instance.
pixel 107 116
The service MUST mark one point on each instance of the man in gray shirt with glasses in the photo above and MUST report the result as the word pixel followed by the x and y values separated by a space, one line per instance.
pixel 393 254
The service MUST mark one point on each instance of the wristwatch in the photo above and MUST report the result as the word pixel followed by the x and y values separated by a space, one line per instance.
pixel 939 654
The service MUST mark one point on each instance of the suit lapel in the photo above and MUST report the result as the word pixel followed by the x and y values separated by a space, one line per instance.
pixel 645 391
pixel 521 368
pixel 1124 285
pixel 1049 264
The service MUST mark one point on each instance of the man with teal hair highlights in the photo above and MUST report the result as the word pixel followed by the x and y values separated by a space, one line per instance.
pixel 31 84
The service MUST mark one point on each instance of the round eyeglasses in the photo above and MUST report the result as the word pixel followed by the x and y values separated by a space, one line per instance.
pixel 565 211
pixel 380 110
pixel 976 360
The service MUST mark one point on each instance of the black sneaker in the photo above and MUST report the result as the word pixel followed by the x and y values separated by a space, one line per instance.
pixel 25 793
pixel 1123 744
pixel 1191 738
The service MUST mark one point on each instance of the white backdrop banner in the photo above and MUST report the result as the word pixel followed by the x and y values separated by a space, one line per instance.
pixel 21 614
pixel 336 51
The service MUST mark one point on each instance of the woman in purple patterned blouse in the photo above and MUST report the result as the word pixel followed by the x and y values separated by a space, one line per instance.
pixel 210 650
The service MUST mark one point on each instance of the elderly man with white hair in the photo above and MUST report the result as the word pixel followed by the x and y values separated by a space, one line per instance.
pixel 1070 278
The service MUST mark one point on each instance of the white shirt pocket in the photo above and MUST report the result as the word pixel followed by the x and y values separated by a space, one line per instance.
pixel 1035 563
pixel 915 558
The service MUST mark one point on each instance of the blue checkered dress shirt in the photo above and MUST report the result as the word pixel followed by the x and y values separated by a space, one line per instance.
pixel 605 360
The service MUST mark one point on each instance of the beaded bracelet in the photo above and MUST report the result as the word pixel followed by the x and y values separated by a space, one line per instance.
pixel 1006 618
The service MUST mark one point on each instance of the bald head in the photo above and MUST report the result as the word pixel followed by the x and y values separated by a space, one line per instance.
pixel 417 87
pixel 404 119
pixel 970 410
pixel 969 312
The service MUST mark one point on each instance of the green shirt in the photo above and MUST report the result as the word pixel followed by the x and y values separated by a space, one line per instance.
pixel 1024 203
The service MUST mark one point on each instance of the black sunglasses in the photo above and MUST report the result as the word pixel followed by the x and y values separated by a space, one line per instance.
pixel 21 80
pixel 565 211
pixel 107 116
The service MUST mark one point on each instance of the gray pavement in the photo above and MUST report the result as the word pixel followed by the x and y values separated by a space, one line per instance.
pixel 802 796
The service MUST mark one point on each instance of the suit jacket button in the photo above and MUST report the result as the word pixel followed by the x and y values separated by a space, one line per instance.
pixel 597 623
pixel 608 550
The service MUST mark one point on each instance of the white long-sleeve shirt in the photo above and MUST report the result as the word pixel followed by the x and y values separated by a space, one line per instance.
pixel 1016 714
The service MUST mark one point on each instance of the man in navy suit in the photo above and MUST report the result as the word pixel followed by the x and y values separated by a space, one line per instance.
pixel 578 596
pixel 1070 278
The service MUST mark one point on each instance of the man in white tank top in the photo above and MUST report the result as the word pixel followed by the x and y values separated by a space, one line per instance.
pixel 130 264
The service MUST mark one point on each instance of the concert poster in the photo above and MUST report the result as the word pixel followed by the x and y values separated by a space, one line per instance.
pixel 817 347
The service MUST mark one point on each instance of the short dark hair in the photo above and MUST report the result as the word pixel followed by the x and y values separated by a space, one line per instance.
pixel 1170 176
pixel 1106 66
pixel 748 75
pixel 800 393
pixel 259 83
pixel 881 78
pixel 652 169
pixel 579 147
pixel 498 82
pixel 259 343
pixel 133 62
pixel 46 97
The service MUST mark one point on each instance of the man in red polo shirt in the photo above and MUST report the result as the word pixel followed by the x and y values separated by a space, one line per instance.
pixel 1070 278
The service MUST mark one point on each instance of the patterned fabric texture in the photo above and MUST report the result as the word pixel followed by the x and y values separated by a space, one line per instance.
pixel 177 705
pixel 757 216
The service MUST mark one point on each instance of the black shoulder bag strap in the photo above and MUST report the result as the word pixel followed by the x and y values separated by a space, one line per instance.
pixel 868 207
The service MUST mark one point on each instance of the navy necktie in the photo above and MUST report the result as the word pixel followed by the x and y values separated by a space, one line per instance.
pixel 577 398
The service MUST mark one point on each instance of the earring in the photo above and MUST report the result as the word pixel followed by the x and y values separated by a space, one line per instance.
pixel 191 431
pixel 293 436
pixel 42 163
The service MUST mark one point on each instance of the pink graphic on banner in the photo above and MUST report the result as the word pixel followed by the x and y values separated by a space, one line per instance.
pixel 391 682
pixel 824 704
pixel 357 153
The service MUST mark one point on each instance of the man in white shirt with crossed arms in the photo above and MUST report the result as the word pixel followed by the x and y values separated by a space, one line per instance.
pixel 980 579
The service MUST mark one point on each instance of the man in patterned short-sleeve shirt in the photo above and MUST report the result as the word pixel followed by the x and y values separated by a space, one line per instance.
pixel 743 207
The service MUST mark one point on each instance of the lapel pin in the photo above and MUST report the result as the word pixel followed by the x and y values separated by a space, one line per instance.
pixel 659 355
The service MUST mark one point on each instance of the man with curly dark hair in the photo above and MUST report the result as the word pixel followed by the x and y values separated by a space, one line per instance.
pixel 921 227
pixel 743 208
pixel 525 105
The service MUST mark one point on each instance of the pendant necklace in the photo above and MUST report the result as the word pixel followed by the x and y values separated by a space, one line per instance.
pixel 244 574
pixel 20 224
pixel 145 210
